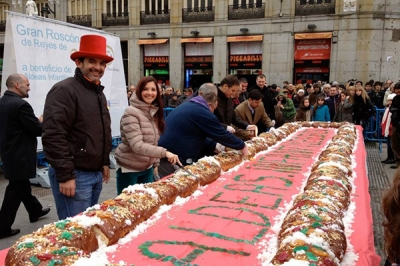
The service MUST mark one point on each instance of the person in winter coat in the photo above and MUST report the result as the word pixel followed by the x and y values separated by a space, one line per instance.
pixel 320 110
pixel 297 98
pixel 286 105
pixel 387 130
pixel 395 138
pixel 304 111
pixel 363 107
pixel 173 102
pixel 141 126
pixel 344 112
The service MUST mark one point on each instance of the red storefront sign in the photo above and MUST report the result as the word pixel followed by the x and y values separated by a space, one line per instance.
pixel 312 70
pixel 311 49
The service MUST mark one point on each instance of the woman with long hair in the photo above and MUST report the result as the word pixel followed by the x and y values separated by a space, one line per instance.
pixel 344 112
pixel 363 107
pixel 391 210
pixel 141 126
pixel 303 113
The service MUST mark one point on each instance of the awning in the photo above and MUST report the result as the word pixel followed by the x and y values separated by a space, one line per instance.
pixel 254 38
pixel 152 41
pixel 186 40
pixel 313 35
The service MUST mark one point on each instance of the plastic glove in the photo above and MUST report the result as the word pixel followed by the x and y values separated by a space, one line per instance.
pixel 273 131
pixel 272 123
pixel 245 151
pixel 219 148
pixel 270 129
pixel 230 129
pixel 251 127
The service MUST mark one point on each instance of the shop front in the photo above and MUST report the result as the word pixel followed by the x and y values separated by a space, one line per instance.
pixel 198 61
pixel 245 57
pixel 156 59
pixel 312 54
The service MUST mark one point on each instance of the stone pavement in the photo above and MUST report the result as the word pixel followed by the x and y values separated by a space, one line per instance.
pixel 380 177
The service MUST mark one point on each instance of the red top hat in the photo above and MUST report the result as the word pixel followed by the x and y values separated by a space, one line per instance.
pixel 92 46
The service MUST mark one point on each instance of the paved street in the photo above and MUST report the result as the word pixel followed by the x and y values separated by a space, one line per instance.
pixel 380 177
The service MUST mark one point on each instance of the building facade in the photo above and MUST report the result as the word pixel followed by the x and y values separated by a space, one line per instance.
pixel 189 42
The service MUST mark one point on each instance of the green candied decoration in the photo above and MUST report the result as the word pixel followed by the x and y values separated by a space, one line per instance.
pixel 322 209
pixel 313 264
pixel 311 256
pixel 66 235
pixel 60 251
pixel 304 230
pixel 62 224
pixel 26 245
pixel 315 217
pixel 316 224
pixel 35 260
pixel 300 248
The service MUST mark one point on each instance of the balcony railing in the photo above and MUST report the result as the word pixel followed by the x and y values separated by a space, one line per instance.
pixel 2 25
pixel 198 14
pixel 314 7
pixel 248 11
pixel 157 17
pixel 115 19
pixel 82 20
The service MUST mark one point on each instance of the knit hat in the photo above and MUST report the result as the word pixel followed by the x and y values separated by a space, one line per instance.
pixel 301 90
pixel 391 96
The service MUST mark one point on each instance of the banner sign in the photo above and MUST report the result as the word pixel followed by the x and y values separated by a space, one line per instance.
pixel 312 70
pixel 245 58
pixel 310 49
pixel 40 49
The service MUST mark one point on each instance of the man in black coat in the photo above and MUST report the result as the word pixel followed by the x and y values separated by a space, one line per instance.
pixel 18 131
pixel 267 100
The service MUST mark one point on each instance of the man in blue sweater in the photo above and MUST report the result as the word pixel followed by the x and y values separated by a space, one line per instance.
pixel 193 131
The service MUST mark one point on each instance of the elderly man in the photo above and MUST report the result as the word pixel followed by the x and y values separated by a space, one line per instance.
pixel 18 131
pixel 200 133
pixel 77 131
pixel 252 111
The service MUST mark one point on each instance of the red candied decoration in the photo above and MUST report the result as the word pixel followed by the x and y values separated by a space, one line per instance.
pixel 90 214
pixel 44 257
pixel 327 262
pixel 52 239
pixel 103 207
pixel 282 257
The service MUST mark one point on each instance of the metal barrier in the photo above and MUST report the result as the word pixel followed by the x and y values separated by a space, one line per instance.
pixel 167 111
pixel 373 131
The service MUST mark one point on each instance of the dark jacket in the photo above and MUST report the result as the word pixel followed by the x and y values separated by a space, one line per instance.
pixel 395 110
pixel 344 112
pixel 76 127
pixel 267 100
pixel 198 130
pixel 19 128
pixel 362 110
pixel 332 102
pixel 226 113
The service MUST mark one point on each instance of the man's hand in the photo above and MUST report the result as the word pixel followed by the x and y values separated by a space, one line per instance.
pixel 245 150
pixel 68 188
pixel 251 127
pixel 219 148
pixel 106 174
pixel 230 129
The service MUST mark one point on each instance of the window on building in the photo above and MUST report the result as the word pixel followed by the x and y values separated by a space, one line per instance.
pixel 200 5
pixel 314 7
pixel 156 7
pixel 118 7
pixel 79 7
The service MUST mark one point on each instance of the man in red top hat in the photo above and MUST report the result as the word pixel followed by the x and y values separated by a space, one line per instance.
pixel 77 131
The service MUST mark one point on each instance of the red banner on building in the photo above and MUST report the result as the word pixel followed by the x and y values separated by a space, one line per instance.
pixel 311 49
pixel 312 70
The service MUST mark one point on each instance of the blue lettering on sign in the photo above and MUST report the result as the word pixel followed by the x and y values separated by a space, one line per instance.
pixel 50 34
pixel 22 30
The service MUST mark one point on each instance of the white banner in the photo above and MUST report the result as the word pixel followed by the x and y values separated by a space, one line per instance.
pixel 40 49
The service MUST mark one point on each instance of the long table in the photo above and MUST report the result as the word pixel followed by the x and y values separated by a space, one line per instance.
pixel 229 220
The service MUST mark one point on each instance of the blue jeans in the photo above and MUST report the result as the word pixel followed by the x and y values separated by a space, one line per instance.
pixel 126 179
pixel 87 192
